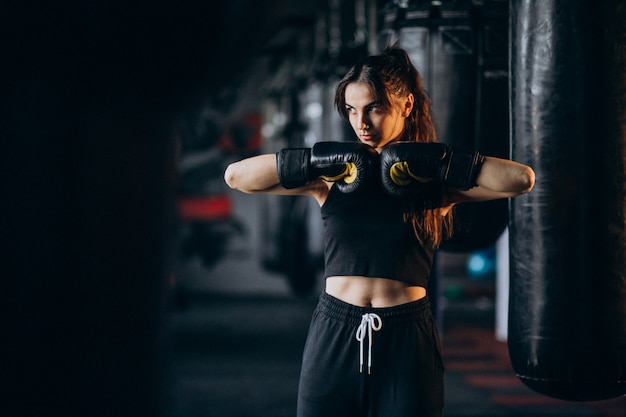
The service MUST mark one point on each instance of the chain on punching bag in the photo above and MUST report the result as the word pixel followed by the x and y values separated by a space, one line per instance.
pixel 567 317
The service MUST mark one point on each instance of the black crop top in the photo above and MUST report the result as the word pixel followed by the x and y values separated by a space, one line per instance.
pixel 365 235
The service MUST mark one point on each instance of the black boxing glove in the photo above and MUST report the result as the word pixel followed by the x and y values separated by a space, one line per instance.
pixel 407 166
pixel 352 165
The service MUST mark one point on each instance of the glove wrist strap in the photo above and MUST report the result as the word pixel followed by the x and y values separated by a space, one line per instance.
pixel 462 168
pixel 292 166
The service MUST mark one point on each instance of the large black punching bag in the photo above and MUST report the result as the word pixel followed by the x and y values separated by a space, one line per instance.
pixel 567 317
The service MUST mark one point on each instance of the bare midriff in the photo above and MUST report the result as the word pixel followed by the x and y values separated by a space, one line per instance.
pixel 372 292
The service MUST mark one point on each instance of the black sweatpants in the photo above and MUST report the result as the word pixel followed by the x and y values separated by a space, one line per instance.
pixel 406 375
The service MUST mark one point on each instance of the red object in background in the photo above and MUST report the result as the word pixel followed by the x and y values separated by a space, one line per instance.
pixel 214 207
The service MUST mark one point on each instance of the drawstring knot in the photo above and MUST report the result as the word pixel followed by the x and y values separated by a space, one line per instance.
pixel 370 322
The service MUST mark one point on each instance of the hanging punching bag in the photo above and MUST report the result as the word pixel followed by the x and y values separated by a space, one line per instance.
pixel 472 43
pixel 461 51
pixel 567 311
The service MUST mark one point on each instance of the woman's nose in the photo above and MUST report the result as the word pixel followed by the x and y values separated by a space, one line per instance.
pixel 362 123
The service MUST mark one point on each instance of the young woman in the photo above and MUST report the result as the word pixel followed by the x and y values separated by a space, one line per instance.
pixel 386 200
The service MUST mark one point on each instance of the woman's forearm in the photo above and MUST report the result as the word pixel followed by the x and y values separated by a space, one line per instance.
pixel 505 176
pixel 498 178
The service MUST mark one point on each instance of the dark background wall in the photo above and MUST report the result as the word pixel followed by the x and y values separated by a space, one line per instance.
pixel 89 91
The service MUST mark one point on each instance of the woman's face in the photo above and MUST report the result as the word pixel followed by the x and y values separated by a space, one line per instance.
pixel 372 124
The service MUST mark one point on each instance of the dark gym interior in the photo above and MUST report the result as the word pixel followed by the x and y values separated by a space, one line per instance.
pixel 136 284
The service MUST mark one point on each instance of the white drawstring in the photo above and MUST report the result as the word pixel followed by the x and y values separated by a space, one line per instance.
pixel 369 322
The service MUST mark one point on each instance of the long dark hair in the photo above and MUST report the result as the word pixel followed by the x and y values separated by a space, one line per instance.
pixel 392 74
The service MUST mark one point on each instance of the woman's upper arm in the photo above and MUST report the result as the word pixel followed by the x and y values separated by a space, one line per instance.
pixel 498 178
pixel 252 175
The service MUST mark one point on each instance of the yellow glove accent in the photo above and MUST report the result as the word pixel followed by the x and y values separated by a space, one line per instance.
pixel 352 173
pixel 348 174
pixel 402 175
